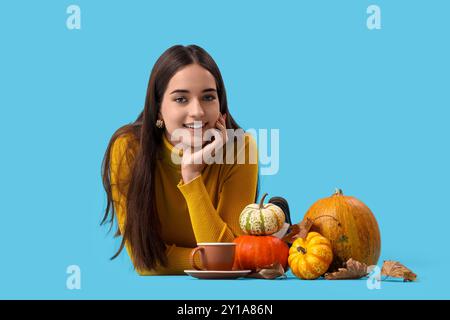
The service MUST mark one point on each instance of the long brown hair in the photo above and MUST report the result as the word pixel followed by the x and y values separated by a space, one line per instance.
pixel 143 228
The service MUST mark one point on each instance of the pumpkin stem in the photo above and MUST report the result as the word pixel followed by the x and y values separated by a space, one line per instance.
pixel 261 203
pixel 338 191
pixel 300 248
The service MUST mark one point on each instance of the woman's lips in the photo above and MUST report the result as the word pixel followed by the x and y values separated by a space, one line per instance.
pixel 192 129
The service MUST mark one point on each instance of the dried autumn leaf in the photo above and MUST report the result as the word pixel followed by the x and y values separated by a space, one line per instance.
pixel 270 272
pixel 397 270
pixel 299 230
pixel 295 229
pixel 304 227
pixel 353 270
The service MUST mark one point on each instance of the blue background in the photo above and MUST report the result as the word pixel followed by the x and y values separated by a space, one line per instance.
pixel 363 110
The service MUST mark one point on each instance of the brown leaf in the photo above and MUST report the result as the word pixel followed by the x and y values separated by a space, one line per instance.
pixel 353 270
pixel 273 271
pixel 397 270
pixel 304 227
pixel 299 230
pixel 295 228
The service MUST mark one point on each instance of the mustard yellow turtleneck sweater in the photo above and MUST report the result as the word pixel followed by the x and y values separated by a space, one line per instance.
pixel 206 209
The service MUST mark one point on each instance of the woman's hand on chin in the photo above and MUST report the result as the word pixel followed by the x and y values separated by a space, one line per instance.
pixel 192 163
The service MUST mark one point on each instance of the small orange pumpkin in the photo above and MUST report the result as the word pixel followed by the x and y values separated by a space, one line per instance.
pixel 255 252
pixel 310 258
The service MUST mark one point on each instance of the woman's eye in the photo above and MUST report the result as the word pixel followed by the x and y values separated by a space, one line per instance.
pixel 209 98
pixel 180 100
pixel 184 100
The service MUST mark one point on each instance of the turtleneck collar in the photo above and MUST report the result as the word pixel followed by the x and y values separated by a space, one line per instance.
pixel 167 150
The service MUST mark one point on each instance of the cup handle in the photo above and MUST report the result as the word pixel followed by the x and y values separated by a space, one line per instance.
pixel 192 257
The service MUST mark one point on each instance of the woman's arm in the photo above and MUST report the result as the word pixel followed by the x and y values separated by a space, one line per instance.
pixel 177 257
pixel 178 261
pixel 121 159
pixel 238 189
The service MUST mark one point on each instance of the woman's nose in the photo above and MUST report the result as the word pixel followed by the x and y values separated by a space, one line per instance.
pixel 196 109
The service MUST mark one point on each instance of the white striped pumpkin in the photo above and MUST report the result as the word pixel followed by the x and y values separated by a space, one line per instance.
pixel 261 219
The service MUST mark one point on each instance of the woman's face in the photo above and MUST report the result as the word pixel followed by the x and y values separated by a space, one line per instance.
pixel 190 98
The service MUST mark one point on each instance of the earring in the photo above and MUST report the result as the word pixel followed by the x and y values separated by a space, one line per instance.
pixel 160 123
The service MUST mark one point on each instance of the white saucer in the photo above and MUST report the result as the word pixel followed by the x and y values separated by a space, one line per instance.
pixel 212 274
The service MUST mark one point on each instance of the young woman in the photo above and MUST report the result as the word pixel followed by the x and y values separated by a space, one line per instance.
pixel 165 207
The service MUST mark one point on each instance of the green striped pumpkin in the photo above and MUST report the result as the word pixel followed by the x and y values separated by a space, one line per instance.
pixel 261 219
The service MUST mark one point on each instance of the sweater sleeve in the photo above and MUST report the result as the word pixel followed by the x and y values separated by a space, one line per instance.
pixel 238 189
pixel 122 156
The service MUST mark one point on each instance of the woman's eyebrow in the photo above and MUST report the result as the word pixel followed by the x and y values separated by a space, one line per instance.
pixel 187 91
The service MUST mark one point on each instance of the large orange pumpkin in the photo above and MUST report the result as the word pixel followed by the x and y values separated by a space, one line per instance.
pixel 350 226
pixel 253 252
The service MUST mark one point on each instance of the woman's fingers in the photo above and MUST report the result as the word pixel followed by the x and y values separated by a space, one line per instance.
pixel 221 124
pixel 222 120
pixel 194 155
pixel 223 132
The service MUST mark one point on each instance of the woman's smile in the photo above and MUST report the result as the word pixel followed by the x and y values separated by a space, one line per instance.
pixel 195 125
